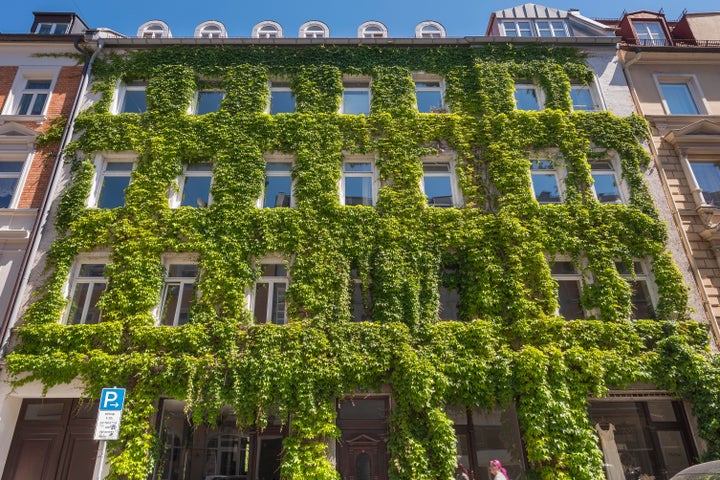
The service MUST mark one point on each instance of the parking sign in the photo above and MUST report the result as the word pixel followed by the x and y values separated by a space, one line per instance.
pixel 112 401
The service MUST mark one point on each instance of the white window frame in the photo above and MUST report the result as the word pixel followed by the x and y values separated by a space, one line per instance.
pixel 539 94
pixel 615 172
pixel 359 85
pixel 272 281
pixel 275 86
pixel 644 275
pixel 155 29
pixel 210 29
pixel 452 174
pixel 558 171
pixel 437 32
pixel 693 184
pixel 196 99
pixel 101 162
pixel 423 78
pixel 651 40
pixel 379 30
pixel 168 281
pixel 176 197
pixel 121 89
pixel 311 30
pixel 96 258
pixel 25 74
pixel 260 30
pixel 693 85
pixel 577 276
pixel 279 158
pixel 16 156
pixel 53 28
pixel 515 31
pixel 373 174
pixel 594 95
pixel 563 31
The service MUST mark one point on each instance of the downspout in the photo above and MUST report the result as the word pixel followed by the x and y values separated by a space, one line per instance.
pixel 42 217
pixel 677 219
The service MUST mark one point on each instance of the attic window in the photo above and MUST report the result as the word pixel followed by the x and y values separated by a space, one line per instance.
pixel 267 29
pixel 314 30
pixel 372 30
pixel 154 29
pixel 649 33
pixel 210 29
pixel 429 30
pixel 52 28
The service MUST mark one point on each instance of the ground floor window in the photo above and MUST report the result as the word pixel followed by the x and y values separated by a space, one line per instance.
pixel 643 439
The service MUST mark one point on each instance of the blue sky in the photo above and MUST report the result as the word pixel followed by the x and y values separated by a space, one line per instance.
pixel 460 17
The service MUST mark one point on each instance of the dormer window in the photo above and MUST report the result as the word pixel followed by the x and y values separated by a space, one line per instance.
pixel 267 29
pixel 154 29
pixel 372 30
pixel 518 29
pixel 314 30
pixel 649 33
pixel 429 30
pixel 52 28
pixel 536 28
pixel 210 29
pixel 553 28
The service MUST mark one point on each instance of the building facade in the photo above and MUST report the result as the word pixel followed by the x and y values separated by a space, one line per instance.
pixel 365 258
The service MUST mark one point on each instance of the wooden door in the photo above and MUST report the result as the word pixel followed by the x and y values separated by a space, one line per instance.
pixel 362 451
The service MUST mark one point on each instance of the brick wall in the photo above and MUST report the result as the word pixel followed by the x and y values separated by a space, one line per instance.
pixel 7 77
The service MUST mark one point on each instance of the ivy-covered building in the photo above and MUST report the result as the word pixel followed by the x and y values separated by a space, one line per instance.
pixel 371 258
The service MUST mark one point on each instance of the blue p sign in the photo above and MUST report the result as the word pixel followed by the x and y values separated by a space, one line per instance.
pixel 112 399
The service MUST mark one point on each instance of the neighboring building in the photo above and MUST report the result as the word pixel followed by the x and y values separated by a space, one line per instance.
pixel 365 257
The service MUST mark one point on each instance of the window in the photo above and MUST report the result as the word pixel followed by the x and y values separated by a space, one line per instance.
pixel 269 302
pixel 583 99
pixel 356 99
pixel 278 184
pixel 226 456
pixel 649 33
pixel 372 30
pixel 282 99
pixel 429 29
pixel 195 185
pixel 113 179
pixel 641 299
pixel 178 293
pixel 358 178
pixel 314 30
pixel 606 181
pixel 527 97
pixel 10 173
pixel 518 29
pixel 360 298
pixel 545 181
pixel 52 28
pixel 449 296
pixel 154 29
pixel 87 287
pixel 208 101
pixel 569 282
pixel 438 184
pixel 551 28
pixel 429 97
pixel 34 97
pixel 132 98
pixel 267 29
pixel 679 96
pixel 210 29
pixel 707 175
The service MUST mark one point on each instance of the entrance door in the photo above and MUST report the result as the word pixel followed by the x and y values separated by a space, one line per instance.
pixel 362 452
pixel 53 440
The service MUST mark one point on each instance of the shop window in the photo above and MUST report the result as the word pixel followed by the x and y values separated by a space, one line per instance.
pixel 282 99
pixel 178 293
pixel 641 296
pixel 113 178
pixel 545 183
pixel 429 96
pixel 278 185
pixel 569 282
pixel 357 183
pixel 87 286
pixel 438 183
pixel 208 101
pixel 605 181
pixel 195 185
pixel 269 304
pixel 707 176
pixel 528 97
pixel 356 99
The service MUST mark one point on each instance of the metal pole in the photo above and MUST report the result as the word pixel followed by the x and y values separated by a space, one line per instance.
pixel 102 460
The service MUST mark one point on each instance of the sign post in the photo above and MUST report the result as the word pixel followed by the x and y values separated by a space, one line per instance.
pixel 107 427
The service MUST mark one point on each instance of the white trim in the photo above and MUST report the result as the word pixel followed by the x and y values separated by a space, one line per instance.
pixel 315 25
pixel 147 27
pixel 12 102
pixel 273 87
pixel 272 281
pixel 420 27
pixel 175 199
pixel 278 158
pixel 192 110
pixel 87 258
pixel 539 95
pixel 101 161
pixel 175 259
pixel 256 31
pixel 428 78
pixel 219 32
pixel 691 81
pixel 558 171
pixel 119 98
pixel 373 174
pixel 616 172
pixel 379 30
pixel 450 160
pixel 359 87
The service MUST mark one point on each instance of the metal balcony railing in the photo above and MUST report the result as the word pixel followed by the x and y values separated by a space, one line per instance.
pixel 673 43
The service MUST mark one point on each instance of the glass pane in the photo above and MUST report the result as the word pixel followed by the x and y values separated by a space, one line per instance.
pixel 362 467
pixel 45 28
pixel 546 188
pixel 39 104
pixel 356 102
pixel 47 412
pixel 606 188
pixel 172 295
pixel 11 167
pixel 278 167
pixel 582 99
pixel 209 102
pixel 357 167
pixel 497 436
pixel 93 312
pixel 661 411
pixel 429 101
pixel 134 102
pixel 281 101
pixel 563 268
pixel 544 29
pixel 438 190
pixel 196 192
pixel 274 270
pixel 526 99
pixel 278 190
pixel 358 191
pixel 278 305
pixel 7 190
pixel 188 295
pixel 269 458
pixel 77 303
pixel 119 166
pixel 449 298
pixel 679 99
pixel 708 177
pixel 569 299
pixel 92 270
pixel 199 167
pixel 359 313
pixel 24 105
pixel 38 84
pixel 112 193
pixel 261 302
pixel 673 451
pixel 642 307
pixel 363 409
pixel 188 270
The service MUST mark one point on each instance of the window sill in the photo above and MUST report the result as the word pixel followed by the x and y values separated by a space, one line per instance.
pixel 23 118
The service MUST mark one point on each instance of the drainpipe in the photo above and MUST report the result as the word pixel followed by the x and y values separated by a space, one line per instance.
pixel 677 219
pixel 43 213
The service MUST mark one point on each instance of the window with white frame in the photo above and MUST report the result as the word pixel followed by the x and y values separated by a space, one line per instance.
pixel 569 282
pixel 282 99
pixel 641 294
pixel 545 181
pixel 178 293
pixel 34 97
pixel 113 177
pixel 211 29
pixel 269 304
pixel 314 30
pixel 358 182
pixel 681 95
pixel 11 170
pixel 372 30
pixel 707 176
pixel 429 29
pixel 208 101
pixel 583 98
pixel 278 184
pixel 52 28
pixel 195 185
pixel 517 28
pixel 429 96
pixel 649 33
pixel 154 29
pixel 267 29
pixel 528 97
pixel 606 181
pixel 356 98
pixel 360 298
pixel 551 28
pixel 87 286
pixel 438 183
pixel 131 97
